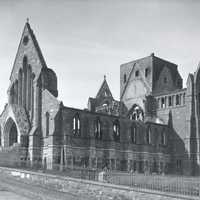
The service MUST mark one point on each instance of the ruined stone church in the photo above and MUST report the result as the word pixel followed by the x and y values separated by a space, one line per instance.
pixel 153 128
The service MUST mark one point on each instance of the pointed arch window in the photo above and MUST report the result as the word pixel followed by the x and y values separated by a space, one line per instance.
pixel 116 130
pixel 170 101
pixel 25 40
pixel 148 136
pixel 24 81
pixel 28 87
pixel 76 125
pixel 136 113
pixel 98 131
pixel 133 135
pixel 105 93
pixel 178 102
pixel 147 72
pixel 47 124
pixel 163 138
pixel 20 87
pixel 183 98
pixel 124 78
pixel 179 165
pixel 136 73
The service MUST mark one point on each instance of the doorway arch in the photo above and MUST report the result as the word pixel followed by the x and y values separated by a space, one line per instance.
pixel 10 132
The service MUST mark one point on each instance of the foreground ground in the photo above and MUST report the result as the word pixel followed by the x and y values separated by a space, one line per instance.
pixel 7 195
pixel 16 189
pixel 11 189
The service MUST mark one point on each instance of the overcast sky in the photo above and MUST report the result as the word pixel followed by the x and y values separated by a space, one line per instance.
pixel 83 40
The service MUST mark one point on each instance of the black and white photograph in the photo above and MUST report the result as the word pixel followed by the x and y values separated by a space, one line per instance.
pixel 99 100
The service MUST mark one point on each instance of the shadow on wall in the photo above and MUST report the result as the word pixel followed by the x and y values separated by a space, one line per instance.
pixel 183 162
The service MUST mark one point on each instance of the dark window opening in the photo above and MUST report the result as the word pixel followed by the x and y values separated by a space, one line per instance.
pixel 133 135
pixel 178 100
pixel 165 79
pixel 137 114
pixel 184 98
pixel 147 72
pixel 47 124
pixel 25 40
pixel 124 78
pixel 13 135
pixel 179 164
pixel 148 136
pixel 170 101
pixel 179 83
pixel 155 166
pixel 162 102
pixel 98 131
pixel 25 61
pixel 134 165
pixel 137 73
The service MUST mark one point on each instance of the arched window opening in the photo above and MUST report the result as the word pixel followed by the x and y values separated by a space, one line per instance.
pixel 179 83
pixel 20 87
pixel 136 113
pixel 163 105
pixel 25 60
pixel 13 135
pixel 24 82
pixel 116 130
pixel 11 97
pixel 137 73
pixel 76 125
pixel 133 135
pixel 179 165
pixel 165 80
pixel 169 101
pixel 148 136
pixel 184 99
pixel 124 78
pixel 147 72
pixel 47 124
pixel 163 139
pixel 105 103
pixel 15 92
pixel 32 95
pixel 25 40
pixel 155 166
pixel 10 133
pixel 178 99
pixel 28 88
pixel 98 131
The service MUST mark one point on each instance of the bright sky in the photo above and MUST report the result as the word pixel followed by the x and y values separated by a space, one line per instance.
pixel 82 40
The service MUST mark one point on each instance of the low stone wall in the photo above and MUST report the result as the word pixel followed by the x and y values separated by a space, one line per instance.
pixel 97 190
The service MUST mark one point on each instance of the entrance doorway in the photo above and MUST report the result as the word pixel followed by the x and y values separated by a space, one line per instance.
pixel 10 132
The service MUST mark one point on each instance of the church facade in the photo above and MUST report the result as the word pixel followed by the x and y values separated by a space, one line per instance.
pixel 154 127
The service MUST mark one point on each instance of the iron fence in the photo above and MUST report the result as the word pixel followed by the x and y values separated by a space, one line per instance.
pixel 181 185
